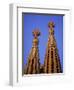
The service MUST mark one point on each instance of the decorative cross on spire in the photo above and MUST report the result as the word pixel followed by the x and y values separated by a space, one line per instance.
pixel 51 25
pixel 36 33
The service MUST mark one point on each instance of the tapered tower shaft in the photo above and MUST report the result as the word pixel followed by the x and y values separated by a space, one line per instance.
pixel 33 65
pixel 52 60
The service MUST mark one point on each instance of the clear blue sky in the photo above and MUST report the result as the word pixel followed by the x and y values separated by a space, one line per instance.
pixel 40 21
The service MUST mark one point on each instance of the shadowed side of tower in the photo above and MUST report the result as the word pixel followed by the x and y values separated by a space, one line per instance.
pixel 52 60
pixel 33 65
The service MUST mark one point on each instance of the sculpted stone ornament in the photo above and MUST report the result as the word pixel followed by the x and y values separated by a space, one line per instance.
pixel 52 59
pixel 33 65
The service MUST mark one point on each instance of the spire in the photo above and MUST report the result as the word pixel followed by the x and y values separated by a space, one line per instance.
pixel 52 59
pixel 51 25
pixel 36 33
pixel 33 65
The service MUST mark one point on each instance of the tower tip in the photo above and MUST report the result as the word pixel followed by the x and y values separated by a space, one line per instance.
pixel 36 33
pixel 51 25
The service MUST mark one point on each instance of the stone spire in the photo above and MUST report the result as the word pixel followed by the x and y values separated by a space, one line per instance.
pixel 52 60
pixel 33 65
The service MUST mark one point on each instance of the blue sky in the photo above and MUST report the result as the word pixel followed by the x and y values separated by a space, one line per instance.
pixel 40 21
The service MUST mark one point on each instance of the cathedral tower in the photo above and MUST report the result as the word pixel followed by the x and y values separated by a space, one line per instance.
pixel 52 60
pixel 33 65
